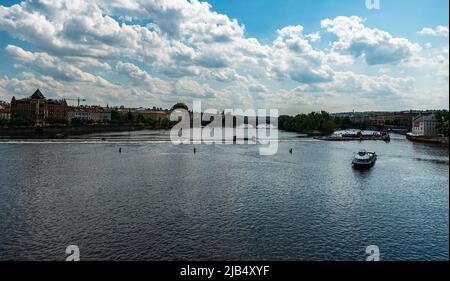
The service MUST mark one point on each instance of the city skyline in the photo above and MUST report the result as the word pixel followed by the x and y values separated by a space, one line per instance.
pixel 299 57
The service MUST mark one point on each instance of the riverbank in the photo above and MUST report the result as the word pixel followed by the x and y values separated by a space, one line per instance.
pixel 63 132
pixel 356 138
pixel 356 135
pixel 431 140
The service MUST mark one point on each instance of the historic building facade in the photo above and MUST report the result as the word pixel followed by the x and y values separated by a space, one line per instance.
pixel 95 114
pixel 39 109
pixel 425 125
pixel 5 113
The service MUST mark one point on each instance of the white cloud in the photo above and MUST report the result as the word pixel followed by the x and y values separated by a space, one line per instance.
pixel 166 50
pixel 293 56
pixel 439 30
pixel 53 66
pixel 141 77
pixel 364 85
pixel 258 88
pixel 186 87
pixel 374 45
pixel 313 37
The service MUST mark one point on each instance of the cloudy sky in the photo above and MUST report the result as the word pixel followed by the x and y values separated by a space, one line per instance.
pixel 297 56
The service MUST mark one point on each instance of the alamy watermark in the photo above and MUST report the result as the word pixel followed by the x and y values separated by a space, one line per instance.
pixel 373 4
pixel 73 253
pixel 231 126
pixel 374 253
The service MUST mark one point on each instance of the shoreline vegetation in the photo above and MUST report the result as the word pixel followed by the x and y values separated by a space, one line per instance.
pixel 56 132
pixel 312 124
pixel 20 127
pixel 319 125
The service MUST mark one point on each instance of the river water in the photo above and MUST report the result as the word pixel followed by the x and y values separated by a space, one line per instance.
pixel 159 201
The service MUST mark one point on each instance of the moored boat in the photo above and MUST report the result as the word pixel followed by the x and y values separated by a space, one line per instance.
pixel 438 140
pixel 364 160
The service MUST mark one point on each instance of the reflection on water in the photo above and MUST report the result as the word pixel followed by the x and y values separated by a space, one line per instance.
pixel 157 201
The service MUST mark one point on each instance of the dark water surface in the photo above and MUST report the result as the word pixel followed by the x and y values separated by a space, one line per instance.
pixel 158 201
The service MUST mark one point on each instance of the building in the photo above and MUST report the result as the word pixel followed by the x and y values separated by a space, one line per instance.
pixel 343 115
pixel 105 116
pixel 40 110
pixel 79 113
pixel 385 119
pixel 391 118
pixel 95 114
pixel 153 114
pixel 99 114
pixel 360 119
pixel 425 125
pixel 5 113
pixel 181 106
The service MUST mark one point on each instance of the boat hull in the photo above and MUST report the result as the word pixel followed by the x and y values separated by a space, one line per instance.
pixel 365 166
pixel 431 140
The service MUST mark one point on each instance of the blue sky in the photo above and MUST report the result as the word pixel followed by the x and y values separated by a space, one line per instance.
pixel 297 56
pixel 401 17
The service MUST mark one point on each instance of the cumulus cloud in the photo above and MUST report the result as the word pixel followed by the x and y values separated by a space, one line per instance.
pixel 165 50
pixel 439 30
pixel 26 83
pixel 370 86
pixel 142 77
pixel 350 91
pixel 294 57
pixel 313 37
pixel 258 88
pixel 180 33
pixel 183 38
pixel 186 87
pixel 373 45
pixel 53 66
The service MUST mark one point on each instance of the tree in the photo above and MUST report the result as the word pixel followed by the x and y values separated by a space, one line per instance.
pixel 165 123
pixel 309 123
pixel 77 122
pixel 57 121
pixel 4 122
pixel 18 119
pixel 129 116
pixel 442 116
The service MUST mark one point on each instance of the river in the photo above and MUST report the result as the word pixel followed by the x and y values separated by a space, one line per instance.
pixel 159 201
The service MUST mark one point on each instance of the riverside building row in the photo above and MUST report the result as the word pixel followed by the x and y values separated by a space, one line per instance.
pixel 43 112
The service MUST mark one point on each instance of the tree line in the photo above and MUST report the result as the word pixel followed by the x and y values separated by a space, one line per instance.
pixel 117 118
pixel 312 123
pixel 442 116
pixel 139 120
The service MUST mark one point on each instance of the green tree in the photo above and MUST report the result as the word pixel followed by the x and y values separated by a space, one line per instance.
pixel 57 121
pixel 308 123
pixel 18 119
pixel 443 117
pixel 4 122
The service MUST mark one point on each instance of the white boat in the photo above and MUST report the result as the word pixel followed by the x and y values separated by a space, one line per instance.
pixel 364 160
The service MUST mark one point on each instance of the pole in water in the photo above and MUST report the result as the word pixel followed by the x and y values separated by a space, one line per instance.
pixel 290 151
pixel 120 150
pixel 195 150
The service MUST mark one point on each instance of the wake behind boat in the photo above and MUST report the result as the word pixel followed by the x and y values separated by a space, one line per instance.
pixel 364 160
